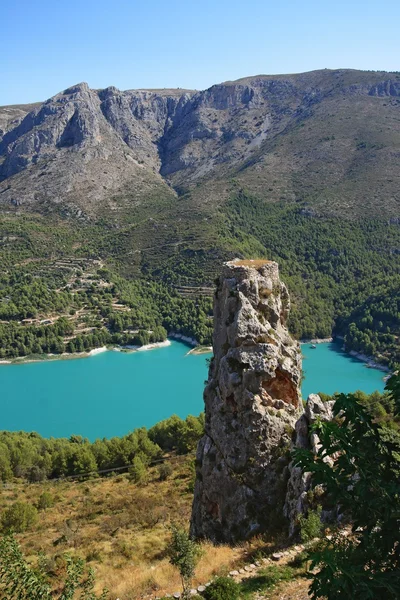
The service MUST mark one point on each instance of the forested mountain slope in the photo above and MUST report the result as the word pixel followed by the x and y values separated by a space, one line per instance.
pixel 167 184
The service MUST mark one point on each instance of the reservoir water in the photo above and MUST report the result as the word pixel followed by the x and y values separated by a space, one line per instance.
pixel 112 393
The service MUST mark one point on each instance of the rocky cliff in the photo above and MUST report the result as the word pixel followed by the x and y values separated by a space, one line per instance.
pixel 298 501
pixel 252 402
pixel 76 152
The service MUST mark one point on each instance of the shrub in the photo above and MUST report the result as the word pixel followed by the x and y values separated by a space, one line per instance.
pixel 164 471
pixel 363 478
pixel 222 588
pixel 94 554
pixel 310 526
pixel 124 549
pixel 266 579
pixel 138 471
pixel 46 500
pixel 183 554
pixel 18 517
pixel 6 473
pixel 19 581
pixel 35 474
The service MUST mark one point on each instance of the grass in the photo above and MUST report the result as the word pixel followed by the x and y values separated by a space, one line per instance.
pixel 120 528
pixel 270 578
pixel 266 579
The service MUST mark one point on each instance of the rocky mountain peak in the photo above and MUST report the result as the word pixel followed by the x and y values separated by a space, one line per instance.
pixel 76 89
pixel 252 402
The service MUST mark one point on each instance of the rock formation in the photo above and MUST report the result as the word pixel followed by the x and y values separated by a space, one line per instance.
pixel 252 402
pixel 299 484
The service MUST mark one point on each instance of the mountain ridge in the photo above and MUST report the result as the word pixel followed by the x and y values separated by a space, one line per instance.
pixel 225 82
pixel 179 140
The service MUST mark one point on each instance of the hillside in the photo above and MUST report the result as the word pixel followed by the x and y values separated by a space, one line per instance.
pixel 167 184
pixel 111 502
pixel 122 529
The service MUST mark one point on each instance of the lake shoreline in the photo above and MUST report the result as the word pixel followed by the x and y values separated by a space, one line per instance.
pixel 196 349
pixel 153 346
pixel 185 339
pixel 369 361
pixel 24 360
pixel 317 341
pixel 201 350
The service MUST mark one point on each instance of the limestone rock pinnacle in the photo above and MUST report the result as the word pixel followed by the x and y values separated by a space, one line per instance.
pixel 252 402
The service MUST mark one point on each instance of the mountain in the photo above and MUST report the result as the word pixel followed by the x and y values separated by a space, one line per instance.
pixel 329 138
pixel 167 184
pixel 75 151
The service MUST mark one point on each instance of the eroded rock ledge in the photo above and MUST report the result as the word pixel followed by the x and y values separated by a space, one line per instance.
pixel 252 402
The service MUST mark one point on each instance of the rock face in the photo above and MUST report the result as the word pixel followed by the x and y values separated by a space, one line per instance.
pixel 252 402
pixel 77 151
pixel 299 484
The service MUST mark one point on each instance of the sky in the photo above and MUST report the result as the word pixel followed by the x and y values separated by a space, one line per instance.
pixel 49 45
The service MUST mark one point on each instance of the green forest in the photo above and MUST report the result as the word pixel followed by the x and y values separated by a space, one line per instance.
pixel 34 458
pixel 149 310
pixel 96 288
pixel 343 276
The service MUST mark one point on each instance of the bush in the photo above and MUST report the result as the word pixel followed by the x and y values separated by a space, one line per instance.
pixel 36 474
pixel 164 471
pixel 266 579
pixel 18 517
pixel 310 526
pixel 46 500
pixel 363 478
pixel 222 588
pixel 20 581
pixel 183 554
pixel 138 471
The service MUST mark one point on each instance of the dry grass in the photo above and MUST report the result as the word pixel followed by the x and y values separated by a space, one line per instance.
pixel 120 528
pixel 254 263
pixel 293 590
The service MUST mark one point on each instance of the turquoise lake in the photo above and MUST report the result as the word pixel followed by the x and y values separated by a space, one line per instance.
pixel 112 393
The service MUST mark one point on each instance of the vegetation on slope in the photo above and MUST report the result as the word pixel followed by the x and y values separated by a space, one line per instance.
pixel 34 458
pixel 358 466
pixel 120 523
pixel 74 306
pixel 119 526
pixel 343 276
pixel 308 179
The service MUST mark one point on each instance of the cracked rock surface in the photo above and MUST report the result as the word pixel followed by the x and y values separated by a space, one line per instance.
pixel 252 402
pixel 299 483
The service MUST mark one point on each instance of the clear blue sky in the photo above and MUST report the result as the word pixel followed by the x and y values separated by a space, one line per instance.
pixel 48 45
